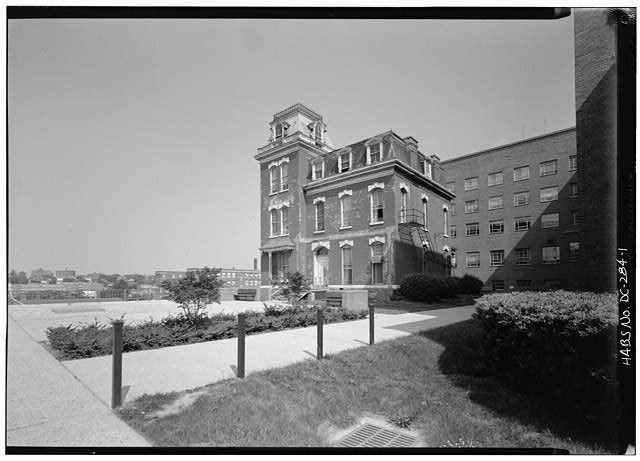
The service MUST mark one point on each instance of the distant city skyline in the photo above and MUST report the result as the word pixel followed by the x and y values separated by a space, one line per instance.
pixel 131 142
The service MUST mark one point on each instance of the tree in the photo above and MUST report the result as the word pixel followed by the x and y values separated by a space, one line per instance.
pixel 194 292
pixel 18 278
pixel 292 287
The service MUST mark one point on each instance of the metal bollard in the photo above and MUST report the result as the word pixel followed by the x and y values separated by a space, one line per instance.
pixel 241 333
pixel 319 354
pixel 371 335
pixel 116 383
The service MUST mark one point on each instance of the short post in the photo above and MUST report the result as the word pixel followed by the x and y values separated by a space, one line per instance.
pixel 116 383
pixel 320 321
pixel 241 332
pixel 371 335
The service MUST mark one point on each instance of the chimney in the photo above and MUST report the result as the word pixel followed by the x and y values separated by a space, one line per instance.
pixel 436 170
pixel 411 143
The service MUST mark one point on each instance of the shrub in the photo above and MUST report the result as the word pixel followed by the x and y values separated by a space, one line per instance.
pixel 560 342
pixel 292 287
pixel 194 292
pixel 94 339
pixel 422 288
pixel 469 285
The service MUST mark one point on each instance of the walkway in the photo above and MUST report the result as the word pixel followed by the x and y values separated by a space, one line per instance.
pixel 48 407
pixel 185 367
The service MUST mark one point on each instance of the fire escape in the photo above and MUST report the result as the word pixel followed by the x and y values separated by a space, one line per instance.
pixel 412 229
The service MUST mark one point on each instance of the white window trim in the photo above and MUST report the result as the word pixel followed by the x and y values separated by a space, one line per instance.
pixel 345 192
pixel 520 168
pixel 369 151
pixel 346 243
pixel 323 244
pixel 349 244
pixel 271 229
pixel 315 204
pixel 377 239
pixel 491 264
pixel 340 161
pixel 371 189
pixel 281 207
pixel 313 171
pixel 375 185
pixel 281 177
pixel 425 211
pixel 445 220
pixel 318 199
pixel 341 195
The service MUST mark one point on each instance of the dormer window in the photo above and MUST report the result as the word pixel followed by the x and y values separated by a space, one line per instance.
pixel 374 152
pixel 281 130
pixel 317 171
pixel 317 132
pixel 278 131
pixel 344 162
pixel 428 169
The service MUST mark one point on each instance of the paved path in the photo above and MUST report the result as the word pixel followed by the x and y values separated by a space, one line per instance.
pixel 185 367
pixel 47 406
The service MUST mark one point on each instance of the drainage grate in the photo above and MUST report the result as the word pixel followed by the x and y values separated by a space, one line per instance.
pixel 370 435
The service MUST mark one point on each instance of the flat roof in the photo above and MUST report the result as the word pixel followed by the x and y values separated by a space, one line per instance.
pixel 522 141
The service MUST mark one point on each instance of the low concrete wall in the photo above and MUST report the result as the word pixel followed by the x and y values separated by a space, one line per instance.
pixel 355 300
pixel 226 294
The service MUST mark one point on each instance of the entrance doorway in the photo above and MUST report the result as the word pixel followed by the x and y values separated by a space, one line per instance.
pixel 321 267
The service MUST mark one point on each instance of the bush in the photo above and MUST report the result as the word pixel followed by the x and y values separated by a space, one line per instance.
pixel 94 339
pixel 422 288
pixel 560 342
pixel 469 285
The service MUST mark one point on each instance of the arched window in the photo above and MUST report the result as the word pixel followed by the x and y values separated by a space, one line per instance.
pixel 319 216
pixel 425 212
pixel 347 265
pixel 445 213
pixel 274 223
pixel 403 205
pixel 284 218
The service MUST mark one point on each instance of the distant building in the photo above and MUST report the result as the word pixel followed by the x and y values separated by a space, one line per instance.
pixel 162 276
pixel 41 274
pixel 67 274
pixel 236 278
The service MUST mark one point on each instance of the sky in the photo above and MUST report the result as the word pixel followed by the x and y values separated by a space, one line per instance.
pixel 131 142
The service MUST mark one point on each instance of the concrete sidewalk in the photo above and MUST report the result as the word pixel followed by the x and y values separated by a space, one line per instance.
pixel 185 367
pixel 48 407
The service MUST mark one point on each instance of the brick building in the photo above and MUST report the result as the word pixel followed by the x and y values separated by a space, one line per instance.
pixel 363 215
pixel 236 278
pixel 515 221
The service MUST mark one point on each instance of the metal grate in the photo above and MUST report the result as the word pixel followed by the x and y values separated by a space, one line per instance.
pixel 370 435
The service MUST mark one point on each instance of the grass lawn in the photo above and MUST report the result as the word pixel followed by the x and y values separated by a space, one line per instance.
pixel 417 379
pixel 403 305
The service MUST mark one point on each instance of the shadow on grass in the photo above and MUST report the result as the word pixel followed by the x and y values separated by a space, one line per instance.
pixel 588 419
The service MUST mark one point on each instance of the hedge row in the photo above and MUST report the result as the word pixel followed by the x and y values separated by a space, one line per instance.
pixel 94 339
pixel 419 287
pixel 560 342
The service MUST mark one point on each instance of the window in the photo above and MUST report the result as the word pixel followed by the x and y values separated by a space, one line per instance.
pixel 319 216
pixel 521 198
pixel 278 131
pixel 453 209
pixel 317 171
pixel 574 190
pixel 344 162
pixel 347 266
pixel 497 285
pixel 275 230
pixel 471 183
pixel 496 227
pixel 425 212
pixel 523 284
pixel 317 132
pixel 377 206
pixel 451 187
pixel 473 259
pixel 574 217
pixel 471 206
pixel 453 233
pixel 550 220
pixel 275 183
pixel 374 153
pixel 523 256
pixel 497 257
pixel 284 217
pixel 376 263
pixel 445 219
pixel 428 169
pixel 522 224
pixel 574 251
pixel 403 205
pixel 521 173
pixel 495 203
pixel 472 229
pixel 284 176
pixel 573 162
pixel 548 168
pixel 495 179
pixel 551 255
pixel 345 211
pixel 549 194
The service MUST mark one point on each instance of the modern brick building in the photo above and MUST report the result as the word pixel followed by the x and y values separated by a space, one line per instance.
pixel 515 221
pixel 363 215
